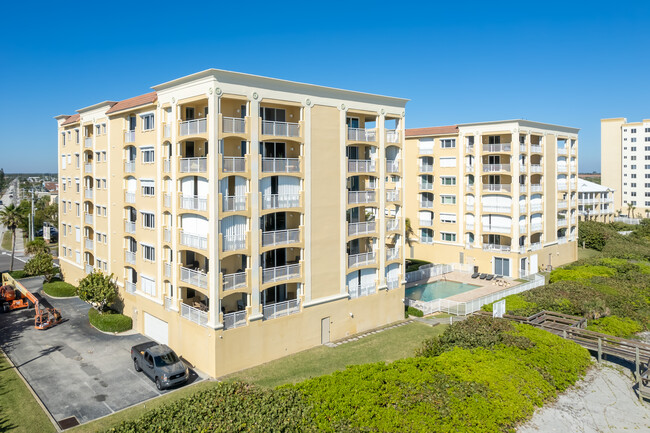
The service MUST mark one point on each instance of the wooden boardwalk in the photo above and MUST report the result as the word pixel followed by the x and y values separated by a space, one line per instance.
pixel 572 328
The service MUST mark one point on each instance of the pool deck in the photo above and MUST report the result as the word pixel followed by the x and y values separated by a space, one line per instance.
pixel 486 287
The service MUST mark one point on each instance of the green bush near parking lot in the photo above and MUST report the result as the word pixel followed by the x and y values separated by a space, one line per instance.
pixel 60 289
pixel 109 321
pixel 18 274
pixel 412 311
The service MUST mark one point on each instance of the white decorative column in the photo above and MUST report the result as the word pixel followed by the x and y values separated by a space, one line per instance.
pixel 343 202
pixel 256 278
pixel 307 198
pixel 381 132
pixel 214 310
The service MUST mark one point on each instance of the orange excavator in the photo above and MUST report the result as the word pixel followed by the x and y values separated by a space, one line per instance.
pixel 14 296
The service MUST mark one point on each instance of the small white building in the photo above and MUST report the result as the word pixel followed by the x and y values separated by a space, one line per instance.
pixel 595 202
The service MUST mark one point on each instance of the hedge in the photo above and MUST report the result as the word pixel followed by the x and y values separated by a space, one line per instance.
pixel 109 321
pixel 60 289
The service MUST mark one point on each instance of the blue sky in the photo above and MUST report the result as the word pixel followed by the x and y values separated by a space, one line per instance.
pixel 570 63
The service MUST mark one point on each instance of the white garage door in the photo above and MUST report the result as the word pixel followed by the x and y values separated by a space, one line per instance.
pixel 156 329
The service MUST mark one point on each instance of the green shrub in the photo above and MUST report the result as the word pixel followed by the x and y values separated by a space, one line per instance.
pixel 414 264
pixel 60 289
pixel 41 264
pixel 97 289
pixel 412 311
pixel 109 321
pixel 616 326
pixel 516 304
pixel 18 274
pixel 582 273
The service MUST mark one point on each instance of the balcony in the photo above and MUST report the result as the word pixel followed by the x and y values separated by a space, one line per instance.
pixel 561 222
pixel 360 291
pixel 469 148
pixel 193 127
pixel 89 244
pixel 233 125
pixel 392 284
pixel 194 314
pixel 495 187
pixel 536 148
pixel 536 246
pixel 562 167
pixel 234 319
pixel 469 206
pixel 193 165
pixel 493 228
pixel 361 197
pixel 129 197
pixel 522 207
pixel 167 200
pixel 496 168
pixel 88 218
pixel 425 222
pixel 281 165
pixel 523 227
pixel 426 204
pixel 129 226
pixel 392 224
pixel 280 129
pixel 426 186
pixel 522 148
pixel 496 247
pixel 129 286
pixel 88 193
pixel 523 188
pixel 497 147
pixel 280 273
pixel 167 167
pixel 233 164
pixel 167 234
pixel 535 168
pixel 392 166
pixel 574 151
pixel 469 187
pixel 194 241
pixel 167 269
pixel 356 260
pixel 88 168
pixel 280 237
pixel 469 226
pixel 497 208
pixel 562 151
pixel 273 311
pixel 535 227
pixel 522 168
pixel 167 130
pixel 234 242
pixel 88 142
pixel 392 195
pixel 573 220
pixel 562 240
pixel 562 186
pixel 233 281
pixel 129 257
pixel 129 166
pixel 426 168
pixel 535 187
pixel 392 253
pixel 392 136
pixel 129 136
pixel 562 204
pixel 280 201
pixel 196 278
pixel 572 184
pixel 193 202
pixel 234 203
pixel 361 166
pixel 361 134
pixel 362 228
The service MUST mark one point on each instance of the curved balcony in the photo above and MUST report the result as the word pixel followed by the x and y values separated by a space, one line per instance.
pixel 281 165
pixel 361 197
pixel 237 280
pixel 496 168
pixel 233 164
pixel 363 259
pixel 280 129
pixel 362 134
pixel 194 277
pixel 362 228
pixel 193 202
pixel 233 125
pixel 192 127
pixel 280 201
pixel 280 273
pixel 233 203
pixel 193 165
pixel 497 148
pixel 361 166
pixel 193 240
pixel 280 237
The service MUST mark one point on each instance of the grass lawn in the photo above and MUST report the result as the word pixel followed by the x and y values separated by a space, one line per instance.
pixel 6 241
pixel 19 411
pixel 109 321
pixel 59 289
pixel 587 253
pixel 386 346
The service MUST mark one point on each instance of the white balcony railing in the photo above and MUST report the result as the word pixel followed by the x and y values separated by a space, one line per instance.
pixel 536 187
pixel 234 319
pixel 361 134
pixel 193 277
pixel 496 247
pixel 280 237
pixel 426 168
pixel 426 204
pixel 392 166
pixel 493 168
pixel 129 257
pixel 234 203
pixel 535 168
pixel 88 218
pixel 392 224
pixel 281 165
pixel 89 244
pixel 169 303
pixel 88 142
pixel 392 284
pixel 129 226
pixel 392 195
pixel 167 234
pixel 129 166
pixel 167 268
pixel 129 197
pixel 496 228
pixel 193 165
pixel 129 286
pixel 561 167
pixel 497 147
pixel 562 240
pixel 272 311
pixel 562 151
pixel 496 208
pixel 562 204
pixel 562 222
pixel 469 226
pixel 424 222
pixel 167 200
pixel 234 125
pixel 362 259
pixel 194 314
pixel 167 130
pixel 523 168
pixel 497 187
pixel 522 207
pixel 522 147
pixel 361 165
pixel 392 253
pixel 193 127
pixel 536 246
pixel 234 242
pixel 280 201
pixel 167 167
pixel 469 206
pixel 280 273
pixel 194 202
pixel 523 227
pixel 392 136
pixel 426 186
pixel 234 281
pixel 194 241
pixel 88 193
pixel 360 291
pixel 129 136
pixel 561 186
pixel 536 148
pixel 535 227
pixel 280 129
pixel 234 164
pixel 362 228
pixel 360 197
pixel 88 168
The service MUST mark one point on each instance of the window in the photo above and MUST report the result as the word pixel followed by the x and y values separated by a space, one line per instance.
pixel 448 180
pixel 63 138
pixel 77 233
pixel 77 257
pixel 633 158
pixel 147 121
pixel 148 285
pixel 148 252
pixel 647 185
pixel 63 185
pixel 103 128
pixel 426 236
pixel 148 220
pixel 633 139
pixel 633 148
pixel 633 194
pixel 78 209
pixel 104 183
pixel 633 176
pixel 448 162
pixel 633 130
pixel 65 230
pixel 147 187
pixel 63 162
pixel 448 199
pixel 98 129
pixel 104 155
pixel 448 143
pixel 448 217
pixel 425 146
pixel 147 155
pixel 633 184
pixel 647 130
pixel 448 237
pixel 76 134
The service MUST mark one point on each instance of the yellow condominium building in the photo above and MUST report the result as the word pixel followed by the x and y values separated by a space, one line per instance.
pixel 625 164
pixel 244 217
pixel 501 196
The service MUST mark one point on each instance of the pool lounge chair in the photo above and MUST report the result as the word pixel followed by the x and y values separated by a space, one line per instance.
pixel 475 274
pixel 489 277
pixel 482 276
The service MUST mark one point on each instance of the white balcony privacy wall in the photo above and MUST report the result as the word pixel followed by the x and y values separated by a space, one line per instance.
pixel 191 188
pixel 496 221
pixel 496 201
pixel 469 219
pixel 362 278
pixel 536 201
pixel 194 224
pixel 392 272
pixel 287 185
pixel 239 185
pixel 535 219
pixel 234 228
pixel 131 185
pixel 426 218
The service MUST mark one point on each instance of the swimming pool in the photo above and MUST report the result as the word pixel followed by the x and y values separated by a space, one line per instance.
pixel 438 290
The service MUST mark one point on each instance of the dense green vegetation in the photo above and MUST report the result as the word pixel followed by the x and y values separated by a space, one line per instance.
pixel 412 311
pixel 60 289
pixel 18 274
pixel 414 264
pixel 109 321
pixel 484 384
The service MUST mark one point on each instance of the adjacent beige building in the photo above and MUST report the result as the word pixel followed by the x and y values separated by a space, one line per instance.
pixel 244 218
pixel 501 195
pixel 625 164
pixel 595 202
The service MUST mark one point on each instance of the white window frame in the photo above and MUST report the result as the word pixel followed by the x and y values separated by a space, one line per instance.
pixel 447 143
pixel 444 197
pixel 452 178
pixel 447 218
pixel 144 216
pixel 148 252
pixel 148 285
pixel 148 187
pixel 450 234
pixel 144 151
pixel 144 120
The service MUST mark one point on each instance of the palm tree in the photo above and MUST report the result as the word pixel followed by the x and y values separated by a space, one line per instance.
pixel 36 246
pixel 11 217
pixel 630 208
pixel 408 231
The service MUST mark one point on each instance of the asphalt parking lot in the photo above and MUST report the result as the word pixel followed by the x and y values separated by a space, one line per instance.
pixel 75 370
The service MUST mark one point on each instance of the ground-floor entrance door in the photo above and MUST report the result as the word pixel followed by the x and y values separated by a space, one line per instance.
pixel 325 330
pixel 502 266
